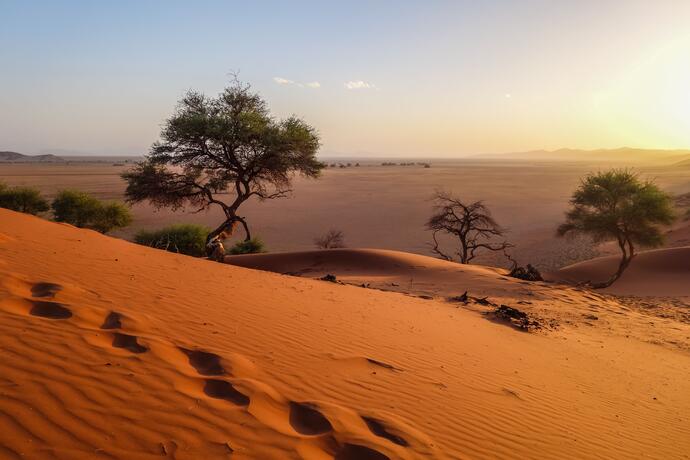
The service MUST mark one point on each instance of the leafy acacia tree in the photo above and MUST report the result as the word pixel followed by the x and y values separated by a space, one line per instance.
pixel 471 223
pixel 221 152
pixel 617 206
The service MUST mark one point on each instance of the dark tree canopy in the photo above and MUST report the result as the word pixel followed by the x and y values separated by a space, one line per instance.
pixel 617 206
pixel 471 223
pixel 221 152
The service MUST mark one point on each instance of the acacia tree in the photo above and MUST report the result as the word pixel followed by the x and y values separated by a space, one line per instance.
pixel 471 223
pixel 617 206
pixel 221 152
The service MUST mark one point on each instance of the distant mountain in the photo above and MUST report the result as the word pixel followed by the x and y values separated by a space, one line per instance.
pixel 624 155
pixel 14 157
pixel 683 163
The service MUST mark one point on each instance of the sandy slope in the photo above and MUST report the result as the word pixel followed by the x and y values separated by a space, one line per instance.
pixel 111 350
pixel 660 273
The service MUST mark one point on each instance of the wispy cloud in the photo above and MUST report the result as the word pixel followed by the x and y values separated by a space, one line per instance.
pixel 359 84
pixel 285 82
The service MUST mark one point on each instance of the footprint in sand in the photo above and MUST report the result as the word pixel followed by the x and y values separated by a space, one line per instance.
pixel 204 362
pixel 379 429
pixel 220 389
pixel 45 289
pixel 307 420
pixel 357 452
pixel 112 321
pixel 128 342
pixel 50 310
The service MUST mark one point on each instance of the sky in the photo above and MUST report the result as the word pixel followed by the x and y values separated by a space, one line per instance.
pixel 375 78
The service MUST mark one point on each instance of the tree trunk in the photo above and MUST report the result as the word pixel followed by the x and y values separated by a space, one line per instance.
pixel 248 236
pixel 225 225
pixel 622 265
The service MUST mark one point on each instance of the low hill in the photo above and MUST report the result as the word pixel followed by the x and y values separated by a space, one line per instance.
pixel 114 350
pixel 624 155
pixel 682 164
pixel 14 157
pixel 657 273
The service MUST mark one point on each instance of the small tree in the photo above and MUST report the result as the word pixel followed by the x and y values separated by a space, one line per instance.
pixel 331 240
pixel 471 223
pixel 85 211
pixel 22 199
pixel 617 206
pixel 221 152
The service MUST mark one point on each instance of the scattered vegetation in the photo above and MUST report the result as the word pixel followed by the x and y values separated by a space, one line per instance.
pixel 617 206
pixel 333 239
pixel 529 273
pixel 517 318
pixel 22 199
pixel 228 145
pixel 471 223
pixel 189 239
pixel 330 278
pixel 85 211
pixel 251 246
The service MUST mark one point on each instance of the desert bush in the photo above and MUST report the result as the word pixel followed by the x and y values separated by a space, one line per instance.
pixel 22 199
pixel 111 216
pixel 189 239
pixel 85 211
pixel 331 240
pixel 529 273
pixel 252 246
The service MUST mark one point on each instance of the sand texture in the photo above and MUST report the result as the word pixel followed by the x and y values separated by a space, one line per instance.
pixel 113 350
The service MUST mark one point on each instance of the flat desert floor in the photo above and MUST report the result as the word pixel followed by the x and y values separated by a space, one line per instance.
pixel 380 206
pixel 118 351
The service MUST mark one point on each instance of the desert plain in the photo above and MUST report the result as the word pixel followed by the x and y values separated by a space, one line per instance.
pixel 115 350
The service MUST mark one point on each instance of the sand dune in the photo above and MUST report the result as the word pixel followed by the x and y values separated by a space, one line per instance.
pixel 112 350
pixel 658 273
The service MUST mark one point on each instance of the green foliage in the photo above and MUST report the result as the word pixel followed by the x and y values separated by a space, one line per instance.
pixel 617 204
pixel 112 215
pixel 85 211
pixel 22 199
pixel 187 239
pixel 221 151
pixel 252 246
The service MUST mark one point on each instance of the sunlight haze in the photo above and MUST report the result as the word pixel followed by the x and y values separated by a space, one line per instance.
pixel 438 79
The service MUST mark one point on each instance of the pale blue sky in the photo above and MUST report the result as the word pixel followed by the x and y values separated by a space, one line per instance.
pixel 437 78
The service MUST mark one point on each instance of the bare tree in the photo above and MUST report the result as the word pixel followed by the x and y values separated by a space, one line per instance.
pixel 331 240
pixel 471 223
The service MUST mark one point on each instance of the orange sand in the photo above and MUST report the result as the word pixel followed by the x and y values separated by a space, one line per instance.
pixel 112 350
